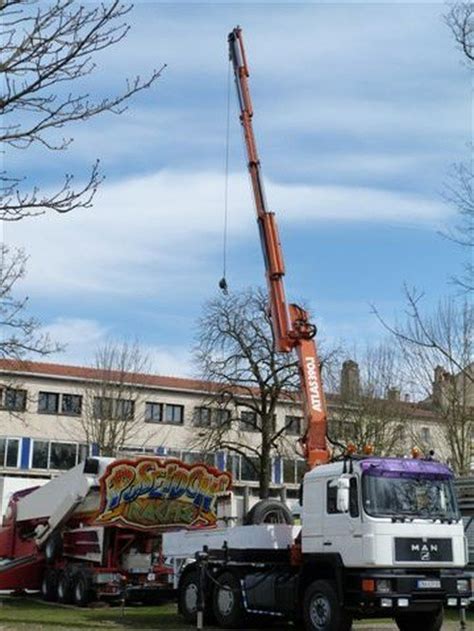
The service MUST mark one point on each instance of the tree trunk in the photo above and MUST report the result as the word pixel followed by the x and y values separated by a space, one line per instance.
pixel 265 461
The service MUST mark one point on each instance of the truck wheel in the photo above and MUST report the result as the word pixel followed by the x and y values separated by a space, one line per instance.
pixel 64 587
pixel 188 596
pixel 81 589
pixel 228 605
pixel 269 512
pixel 321 609
pixel 428 621
pixel 49 585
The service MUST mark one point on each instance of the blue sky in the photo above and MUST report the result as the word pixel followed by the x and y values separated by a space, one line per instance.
pixel 360 110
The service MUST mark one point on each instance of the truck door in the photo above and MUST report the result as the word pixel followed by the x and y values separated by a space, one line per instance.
pixel 343 531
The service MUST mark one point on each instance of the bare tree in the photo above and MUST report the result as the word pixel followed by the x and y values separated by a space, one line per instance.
pixel 438 361
pixel 112 404
pixel 369 411
pixel 21 335
pixel 47 48
pixel 236 352
pixel 459 191
pixel 460 20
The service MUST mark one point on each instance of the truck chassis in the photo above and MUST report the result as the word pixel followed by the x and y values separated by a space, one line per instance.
pixel 235 586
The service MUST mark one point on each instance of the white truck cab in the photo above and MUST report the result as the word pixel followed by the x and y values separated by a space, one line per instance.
pixel 398 513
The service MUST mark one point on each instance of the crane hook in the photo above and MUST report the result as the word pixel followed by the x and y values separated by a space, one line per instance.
pixel 223 286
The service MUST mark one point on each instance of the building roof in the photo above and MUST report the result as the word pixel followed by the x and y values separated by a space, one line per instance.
pixel 83 373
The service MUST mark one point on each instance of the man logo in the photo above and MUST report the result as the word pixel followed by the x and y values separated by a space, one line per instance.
pixel 425 550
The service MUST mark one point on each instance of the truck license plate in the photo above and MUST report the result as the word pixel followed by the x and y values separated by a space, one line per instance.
pixel 429 584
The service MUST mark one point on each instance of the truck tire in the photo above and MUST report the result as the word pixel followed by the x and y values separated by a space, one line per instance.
pixel 228 606
pixel 321 609
pixel 428 621
pixel 269 512
pixel 64 587
pixel 49 585
pixel 53 547
pixel 188 597
pixel 81 589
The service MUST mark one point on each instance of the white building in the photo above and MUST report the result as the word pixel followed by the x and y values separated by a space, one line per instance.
pixel 42 407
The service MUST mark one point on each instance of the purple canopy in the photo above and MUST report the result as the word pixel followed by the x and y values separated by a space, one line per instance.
pixel 405 467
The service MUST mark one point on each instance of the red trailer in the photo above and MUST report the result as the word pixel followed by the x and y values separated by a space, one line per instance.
pixel 95 531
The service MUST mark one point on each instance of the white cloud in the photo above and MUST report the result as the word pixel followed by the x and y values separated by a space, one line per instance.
pixel 170 360
pixel 79 337
pixel 82 337
pixel 162 232
pixel 357 204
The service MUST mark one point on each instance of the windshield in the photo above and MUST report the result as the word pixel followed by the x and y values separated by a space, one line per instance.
pixel 410 497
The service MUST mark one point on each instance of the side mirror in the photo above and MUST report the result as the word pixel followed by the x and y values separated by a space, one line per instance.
pixel 343 485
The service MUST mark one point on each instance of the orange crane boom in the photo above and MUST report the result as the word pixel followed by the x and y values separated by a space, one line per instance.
pixel 291 325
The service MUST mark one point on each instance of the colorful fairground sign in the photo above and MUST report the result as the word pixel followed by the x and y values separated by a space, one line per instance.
pixel 148 493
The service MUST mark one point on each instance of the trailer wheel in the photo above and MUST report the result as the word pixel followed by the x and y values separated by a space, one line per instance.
pixel 49 585
pixel 269 512
pixel 228 604
pixel 64 587
pixel 81 589
pixel 428 621
pixel 321 609
pixel 53 547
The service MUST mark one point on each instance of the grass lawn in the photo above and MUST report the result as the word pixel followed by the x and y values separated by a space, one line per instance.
pixel 26 613
pixel 18 614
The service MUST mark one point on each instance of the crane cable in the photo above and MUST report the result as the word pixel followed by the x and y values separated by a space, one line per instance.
pixel 223 281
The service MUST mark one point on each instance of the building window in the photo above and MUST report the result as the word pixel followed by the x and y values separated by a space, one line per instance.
pixel 293 471
pixel 53 455
pixel 9 452
pixel 173 453
pixel 425 434
pixel 114 409
pixel 195 457
pixel 14 399
pixel 293 425
pixel 153 412
pixel 222 417
pixel 103 407
pixel 40 457
pixel 71 404
pixel 400 434
pixel 233 466
pixel 289 472
pixel 174 414
pixel 202 416
pixel 124 409
pixel 250 470
pixel 48 402
pixel 248 421
pixel 62 456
